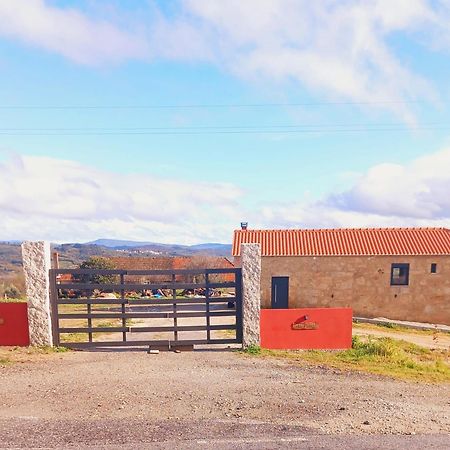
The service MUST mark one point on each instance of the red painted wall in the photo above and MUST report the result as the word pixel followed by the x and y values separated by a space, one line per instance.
pixel 306 328
pixel 14 324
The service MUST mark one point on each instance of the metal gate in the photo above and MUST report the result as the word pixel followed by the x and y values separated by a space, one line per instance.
pixel 156 308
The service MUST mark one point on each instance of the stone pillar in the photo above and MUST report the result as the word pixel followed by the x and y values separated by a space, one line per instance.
pixel 251 294
pixel 36 265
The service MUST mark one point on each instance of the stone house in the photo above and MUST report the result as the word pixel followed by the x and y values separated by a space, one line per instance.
pixel 397 273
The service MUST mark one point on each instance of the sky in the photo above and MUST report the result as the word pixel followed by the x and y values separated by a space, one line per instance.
pixel 173 121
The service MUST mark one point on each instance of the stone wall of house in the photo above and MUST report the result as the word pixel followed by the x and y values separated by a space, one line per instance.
pixel 363 283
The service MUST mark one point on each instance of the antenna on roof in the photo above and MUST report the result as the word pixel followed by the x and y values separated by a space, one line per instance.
pixel 244 225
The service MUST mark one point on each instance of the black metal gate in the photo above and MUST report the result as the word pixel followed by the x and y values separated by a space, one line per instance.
pixel 156 308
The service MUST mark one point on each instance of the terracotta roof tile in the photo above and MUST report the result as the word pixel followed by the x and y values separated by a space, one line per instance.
pixel 347 241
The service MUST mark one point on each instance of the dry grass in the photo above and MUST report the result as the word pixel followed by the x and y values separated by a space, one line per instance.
pixel 13 300
pixel 380 356
pixel 397 328
pixel 10 355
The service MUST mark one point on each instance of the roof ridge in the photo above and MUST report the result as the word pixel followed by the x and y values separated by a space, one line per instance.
pixel 280 230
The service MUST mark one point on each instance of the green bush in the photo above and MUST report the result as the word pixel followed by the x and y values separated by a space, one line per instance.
pixel 253 350
pixel 98 262
pixel 12 292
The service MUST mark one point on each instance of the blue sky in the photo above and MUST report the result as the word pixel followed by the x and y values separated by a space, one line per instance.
pixel 172 121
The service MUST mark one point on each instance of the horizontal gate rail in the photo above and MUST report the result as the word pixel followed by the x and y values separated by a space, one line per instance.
pixel 152 315
pixel 142 286
pixel 148 302
pixel 95 330
pixel 156 343
pixel 146 272
pixel 144 329
pixel 161 301
pixel 168 300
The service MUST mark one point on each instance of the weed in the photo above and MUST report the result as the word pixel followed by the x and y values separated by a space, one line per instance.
pixel 389 325
pixel 253 350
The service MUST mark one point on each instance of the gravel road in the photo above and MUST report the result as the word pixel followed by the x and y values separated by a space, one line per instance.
pixel 207 399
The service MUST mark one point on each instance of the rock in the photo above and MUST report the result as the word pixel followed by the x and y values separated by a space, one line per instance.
pixel 36 263
pixel 366 422
pixel 251 293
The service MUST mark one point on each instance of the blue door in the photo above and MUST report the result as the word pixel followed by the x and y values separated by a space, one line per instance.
pixel 280 292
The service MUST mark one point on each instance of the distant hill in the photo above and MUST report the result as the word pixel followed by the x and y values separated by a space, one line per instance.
pixel 10 259
pixel 210 245
pixel 212 249
pixel 72 255
pixel 117 243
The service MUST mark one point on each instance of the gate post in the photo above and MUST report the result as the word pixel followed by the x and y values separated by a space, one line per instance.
pixel 36 266
pixel 251 294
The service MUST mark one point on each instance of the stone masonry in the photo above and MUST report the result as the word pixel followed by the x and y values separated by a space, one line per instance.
pixel 251 294
pixel 363 283
pixel 36 265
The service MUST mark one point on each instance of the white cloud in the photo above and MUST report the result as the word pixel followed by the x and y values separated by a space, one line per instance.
pixel 58 200
pixel 68 32
pixel 61 200
pixel 417 190
pixel 413 194
pixel 340 48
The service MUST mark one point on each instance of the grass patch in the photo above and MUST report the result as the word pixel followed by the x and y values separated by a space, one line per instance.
pixel 84 337
pixel 381 356
pixel 45 349
pixel 253 350
pixel 13 300
pixel 11 355
pixel 227 334
pixel 396 328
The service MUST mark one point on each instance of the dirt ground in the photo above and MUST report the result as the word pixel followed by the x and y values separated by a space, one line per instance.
pixel 207 398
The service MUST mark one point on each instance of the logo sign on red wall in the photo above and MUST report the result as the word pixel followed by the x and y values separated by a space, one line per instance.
pixel 306 328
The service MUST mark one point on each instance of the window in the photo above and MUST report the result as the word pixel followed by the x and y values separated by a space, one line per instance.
pixel 399 274
pixel 433 268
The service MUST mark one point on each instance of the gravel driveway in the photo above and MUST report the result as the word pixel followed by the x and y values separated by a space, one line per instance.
pixel 203 399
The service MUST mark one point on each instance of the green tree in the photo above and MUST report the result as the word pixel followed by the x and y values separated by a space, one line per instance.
pixel 12 292
pixel 101 263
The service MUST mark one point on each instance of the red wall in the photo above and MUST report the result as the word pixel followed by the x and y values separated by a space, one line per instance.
pixel 317 328
pixel 14 324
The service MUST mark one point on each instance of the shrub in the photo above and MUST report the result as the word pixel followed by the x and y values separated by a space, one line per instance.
pixel 253 349
pixel 12 292
pixel 98 262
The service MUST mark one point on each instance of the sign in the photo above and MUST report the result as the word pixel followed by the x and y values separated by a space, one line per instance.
pixel 305 326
